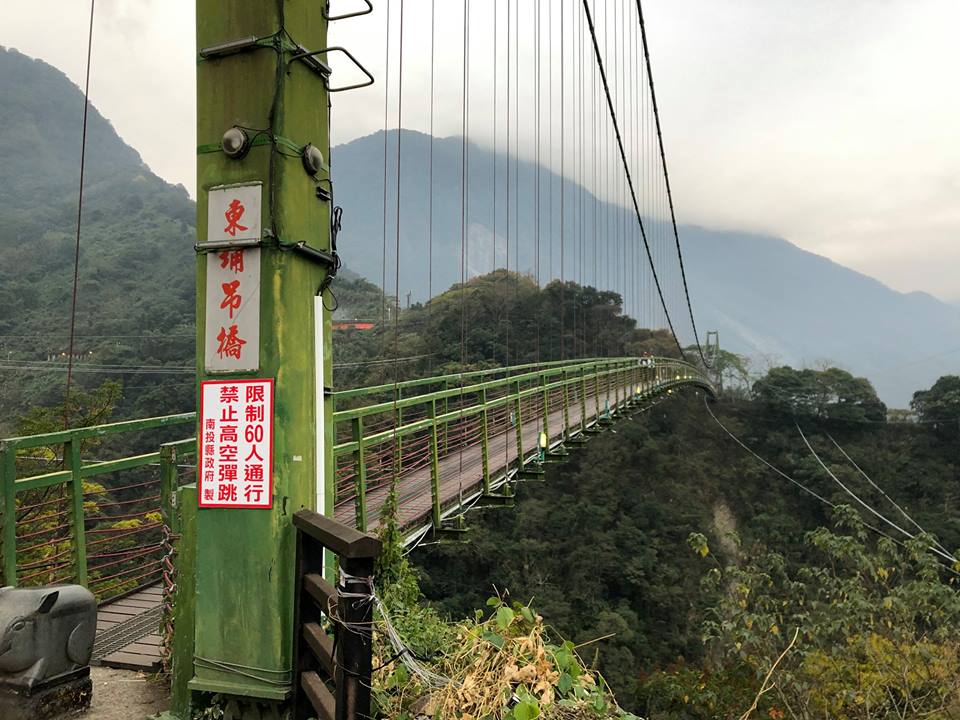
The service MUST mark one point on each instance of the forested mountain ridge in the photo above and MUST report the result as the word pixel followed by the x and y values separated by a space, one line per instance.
pixel 135 302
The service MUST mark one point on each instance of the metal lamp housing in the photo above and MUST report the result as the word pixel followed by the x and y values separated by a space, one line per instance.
pixel 312 159
pixel 235 143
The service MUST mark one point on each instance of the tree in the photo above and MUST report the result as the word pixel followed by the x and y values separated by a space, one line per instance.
pixel 832 394
pixel 939 404
pixel 877 633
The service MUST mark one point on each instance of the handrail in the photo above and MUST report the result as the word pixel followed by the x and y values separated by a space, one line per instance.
pixel 503 391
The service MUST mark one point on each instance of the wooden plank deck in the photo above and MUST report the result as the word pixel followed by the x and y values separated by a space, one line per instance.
pixel 461 471
pixel 128 631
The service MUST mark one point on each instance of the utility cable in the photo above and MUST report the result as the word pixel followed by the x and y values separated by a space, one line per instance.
pixel 76 253
pixel 881 491
pixel 807 490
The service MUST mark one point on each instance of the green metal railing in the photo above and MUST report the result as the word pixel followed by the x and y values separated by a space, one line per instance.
pixel 46 523
pixel 405 430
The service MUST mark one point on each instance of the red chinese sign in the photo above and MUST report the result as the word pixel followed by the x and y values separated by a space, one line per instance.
pixel 235 444
pixel 233 281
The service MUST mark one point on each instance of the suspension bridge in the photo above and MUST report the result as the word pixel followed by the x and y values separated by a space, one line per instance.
pixel 188 540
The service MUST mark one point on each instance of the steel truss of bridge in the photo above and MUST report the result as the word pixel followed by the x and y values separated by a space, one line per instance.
pixel 446 443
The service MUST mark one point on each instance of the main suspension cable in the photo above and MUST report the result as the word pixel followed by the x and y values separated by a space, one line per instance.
pixel 666 181
pixel 626 168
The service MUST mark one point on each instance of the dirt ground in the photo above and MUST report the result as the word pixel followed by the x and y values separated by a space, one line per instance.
pixel 125 695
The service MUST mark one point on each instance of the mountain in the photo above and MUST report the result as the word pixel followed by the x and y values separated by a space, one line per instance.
pixel 767 298
pixel 135 303
pixel 135 300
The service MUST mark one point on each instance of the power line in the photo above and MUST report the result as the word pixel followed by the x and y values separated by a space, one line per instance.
pixel 881 491
pixel 76 254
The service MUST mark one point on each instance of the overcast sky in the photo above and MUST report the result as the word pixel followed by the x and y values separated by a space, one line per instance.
pixel 833 123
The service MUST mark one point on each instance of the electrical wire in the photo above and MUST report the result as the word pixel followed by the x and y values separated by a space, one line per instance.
pixel 76 254
pixel 881 491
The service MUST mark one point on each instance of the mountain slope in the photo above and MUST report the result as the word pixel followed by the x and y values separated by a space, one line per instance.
pixel 136 293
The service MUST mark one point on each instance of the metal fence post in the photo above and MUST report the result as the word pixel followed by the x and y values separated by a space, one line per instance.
pixel 434 463
pixel 596 393
pixel 397 397
pixel 617 381
pixel 583 399
pixel 485 441
pixel 546 407
pixel 360 463
pixel 168 487
pixel 71 456
pixel 566 406
pixel 518 424
pixel 446 409
pixel 8 473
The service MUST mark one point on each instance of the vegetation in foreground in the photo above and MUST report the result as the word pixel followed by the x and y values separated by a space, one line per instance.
pixel 502 663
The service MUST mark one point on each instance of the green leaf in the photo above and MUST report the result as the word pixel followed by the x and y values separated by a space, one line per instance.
pixel 494 639
pixel 493 602
pixel 505 616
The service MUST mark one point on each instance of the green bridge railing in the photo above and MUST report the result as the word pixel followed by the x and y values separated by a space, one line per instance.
pixel 406 431
pixel 107 523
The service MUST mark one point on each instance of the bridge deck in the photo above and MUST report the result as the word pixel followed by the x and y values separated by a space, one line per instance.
pixel 128 631
pixel 461 471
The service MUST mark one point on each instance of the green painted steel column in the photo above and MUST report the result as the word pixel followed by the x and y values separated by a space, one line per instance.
pixel 247 78
pixel 485 441
pixel 446 409
pixel 8 473
pixel 169 487
pixel 566 406
pixel 397 397
pixel 434 463
pixel 596 392
pixel 518 424
pixel 546 407
pixel 360 464
pixel 617 381
pixel 583 399
pixel 71 456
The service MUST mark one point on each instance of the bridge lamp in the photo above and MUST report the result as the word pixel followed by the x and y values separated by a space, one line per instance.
pixel 639 390
pixel 678 377
pixel 312 159
pixel 235 143
pixel 543 441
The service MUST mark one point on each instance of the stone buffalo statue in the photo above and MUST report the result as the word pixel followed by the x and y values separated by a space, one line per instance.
pixel 46 634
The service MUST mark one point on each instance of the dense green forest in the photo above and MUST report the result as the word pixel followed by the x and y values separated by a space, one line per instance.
pixel 638 546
